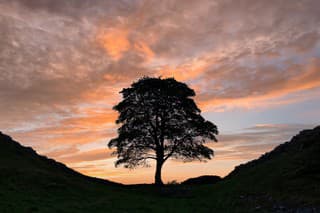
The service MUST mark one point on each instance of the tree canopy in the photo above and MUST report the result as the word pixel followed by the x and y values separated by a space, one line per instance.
pixel 159 120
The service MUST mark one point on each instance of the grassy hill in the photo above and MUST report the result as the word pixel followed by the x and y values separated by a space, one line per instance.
pixel 19 159
pixel 291 167
pixel 290 173
pixel 286 179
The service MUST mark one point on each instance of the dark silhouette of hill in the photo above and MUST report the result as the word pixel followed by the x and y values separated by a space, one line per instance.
pixel 286 179
pixel 299 157
pixel 205 179
pixel 290 172
pixel 16 159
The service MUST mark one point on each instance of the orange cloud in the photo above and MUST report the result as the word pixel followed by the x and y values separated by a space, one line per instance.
pixel 62 152
pixel 101 93
pixel 92 120
pixel 115 41
pixel 91 155
pixel 308 78
pixel 93 125
pixel 144 49
pixel 186 71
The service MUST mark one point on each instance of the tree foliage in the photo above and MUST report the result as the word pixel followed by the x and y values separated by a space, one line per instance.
pixel 159 120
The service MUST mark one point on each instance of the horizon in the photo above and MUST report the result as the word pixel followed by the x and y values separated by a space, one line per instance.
pixel 256 75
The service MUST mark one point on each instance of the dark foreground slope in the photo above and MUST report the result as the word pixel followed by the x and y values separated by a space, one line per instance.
pixel 292 167
pixel 29 182
pixel 289 173
pixel 205 179
pixel 283 180
pixel 298 158
pixel 17 159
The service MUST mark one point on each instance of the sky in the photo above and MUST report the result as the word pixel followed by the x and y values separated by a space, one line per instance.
pixel 254 64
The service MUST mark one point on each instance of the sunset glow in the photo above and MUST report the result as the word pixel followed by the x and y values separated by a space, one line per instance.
pixel 255 67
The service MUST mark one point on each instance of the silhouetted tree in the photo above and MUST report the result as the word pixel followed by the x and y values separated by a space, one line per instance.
pixel 159 120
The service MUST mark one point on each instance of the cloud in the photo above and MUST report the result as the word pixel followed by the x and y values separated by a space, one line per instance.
pixel 253 141
pixel 115 41
pixel 92 155
pixel 62 63
pixel 55 53
pixel 251 88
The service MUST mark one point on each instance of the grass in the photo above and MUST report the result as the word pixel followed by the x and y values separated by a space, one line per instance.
pixel 57 197
pixel 287 180
pixel 36 192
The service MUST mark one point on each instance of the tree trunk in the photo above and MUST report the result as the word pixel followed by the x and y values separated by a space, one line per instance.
pixel 158 180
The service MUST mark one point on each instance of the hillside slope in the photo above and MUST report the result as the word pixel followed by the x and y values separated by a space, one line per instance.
pixel 33 183
pixel 302 153
pixel 16 158
pixel 286 179
pixel 289 172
